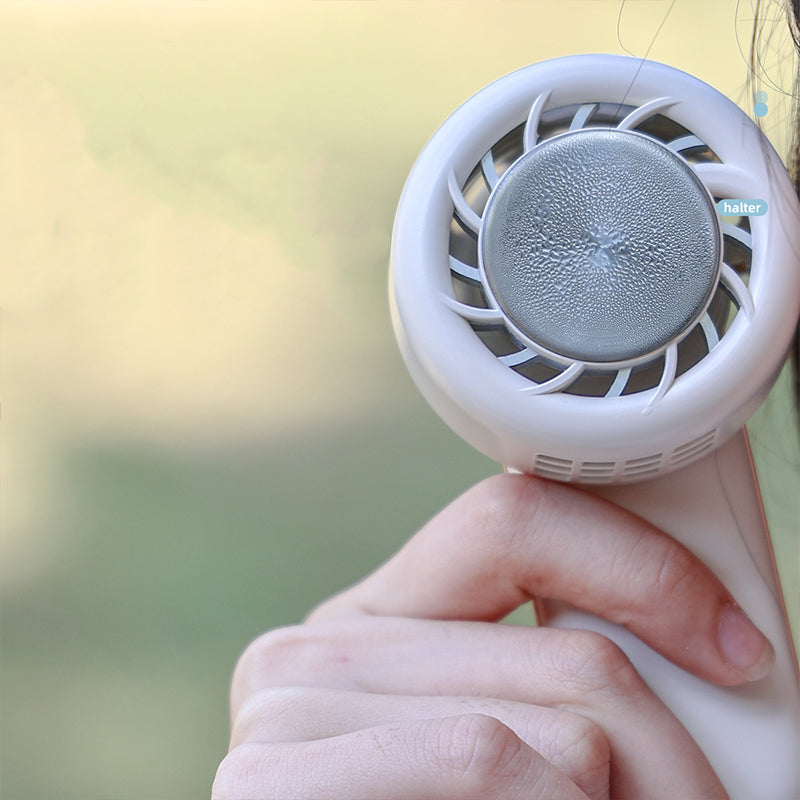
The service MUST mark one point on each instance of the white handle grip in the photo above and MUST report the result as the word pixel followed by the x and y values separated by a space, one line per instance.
pixel 750 734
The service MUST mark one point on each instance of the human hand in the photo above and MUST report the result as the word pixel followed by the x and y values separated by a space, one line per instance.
pixel 403 687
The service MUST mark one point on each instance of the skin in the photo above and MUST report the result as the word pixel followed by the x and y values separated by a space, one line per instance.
pixel 405 685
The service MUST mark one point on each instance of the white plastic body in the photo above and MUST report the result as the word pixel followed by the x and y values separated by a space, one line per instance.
pixel 750 734
pixel 487 403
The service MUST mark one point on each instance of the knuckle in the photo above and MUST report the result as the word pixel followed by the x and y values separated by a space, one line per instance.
pixel 272 713
pixel 592 663
pixel 491 501
pixel 655 571
pixel 508 507
pixel 583 746
pixel 478 752
pixel 277 657
pixel 236 775
pixel 342 604
pixel 271 650
pixel 676 567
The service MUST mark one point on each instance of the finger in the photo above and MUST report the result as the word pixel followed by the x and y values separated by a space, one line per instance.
pixel 513 537
pixel 456 758
pixel 572 743
pixel 652 755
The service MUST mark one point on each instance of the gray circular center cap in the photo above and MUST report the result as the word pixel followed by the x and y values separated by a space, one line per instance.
pixel 601 245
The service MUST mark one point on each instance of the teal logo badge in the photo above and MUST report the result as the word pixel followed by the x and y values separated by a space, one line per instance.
pixel 742 208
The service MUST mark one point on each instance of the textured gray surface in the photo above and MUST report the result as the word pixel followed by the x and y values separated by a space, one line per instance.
pixel 601 245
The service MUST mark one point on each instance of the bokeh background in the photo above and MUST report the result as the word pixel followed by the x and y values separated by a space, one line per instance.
pixel 206 425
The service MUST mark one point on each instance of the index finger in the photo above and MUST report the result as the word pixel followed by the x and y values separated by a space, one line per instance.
pixel 515 537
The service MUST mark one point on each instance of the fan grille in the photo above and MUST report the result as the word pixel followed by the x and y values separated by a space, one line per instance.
pixel 542 370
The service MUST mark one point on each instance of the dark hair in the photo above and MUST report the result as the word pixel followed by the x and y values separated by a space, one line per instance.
pixel 793 16
pixel 793 160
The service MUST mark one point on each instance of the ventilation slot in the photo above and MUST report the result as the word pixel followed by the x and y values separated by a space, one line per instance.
pixel 552 467
pixel 643 378
pixel 647 465
pixel 679 139
pixel 538 370
pixel 738 244
pixel 593 383
pixel 498 340
pixel 597 471
pixel 585 115
pixel 694 449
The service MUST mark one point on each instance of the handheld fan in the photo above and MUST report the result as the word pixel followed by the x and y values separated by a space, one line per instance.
pixel 595 278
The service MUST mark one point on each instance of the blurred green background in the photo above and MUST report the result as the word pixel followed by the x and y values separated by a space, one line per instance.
pixel 207 428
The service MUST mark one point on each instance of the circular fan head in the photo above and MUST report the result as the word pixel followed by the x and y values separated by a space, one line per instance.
pixel 566 292
pixel 598 263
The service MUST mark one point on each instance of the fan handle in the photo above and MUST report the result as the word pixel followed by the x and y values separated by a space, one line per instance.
pixel 750 733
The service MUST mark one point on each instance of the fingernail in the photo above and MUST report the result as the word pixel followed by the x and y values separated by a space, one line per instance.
pixel 742 645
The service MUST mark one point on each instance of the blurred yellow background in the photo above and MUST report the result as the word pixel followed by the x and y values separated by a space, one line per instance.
pixel 206 426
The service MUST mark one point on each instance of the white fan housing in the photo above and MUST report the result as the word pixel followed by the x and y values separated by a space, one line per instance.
pixel 524 364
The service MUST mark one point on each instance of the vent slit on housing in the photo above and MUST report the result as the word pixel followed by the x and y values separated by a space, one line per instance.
pixel 694 449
